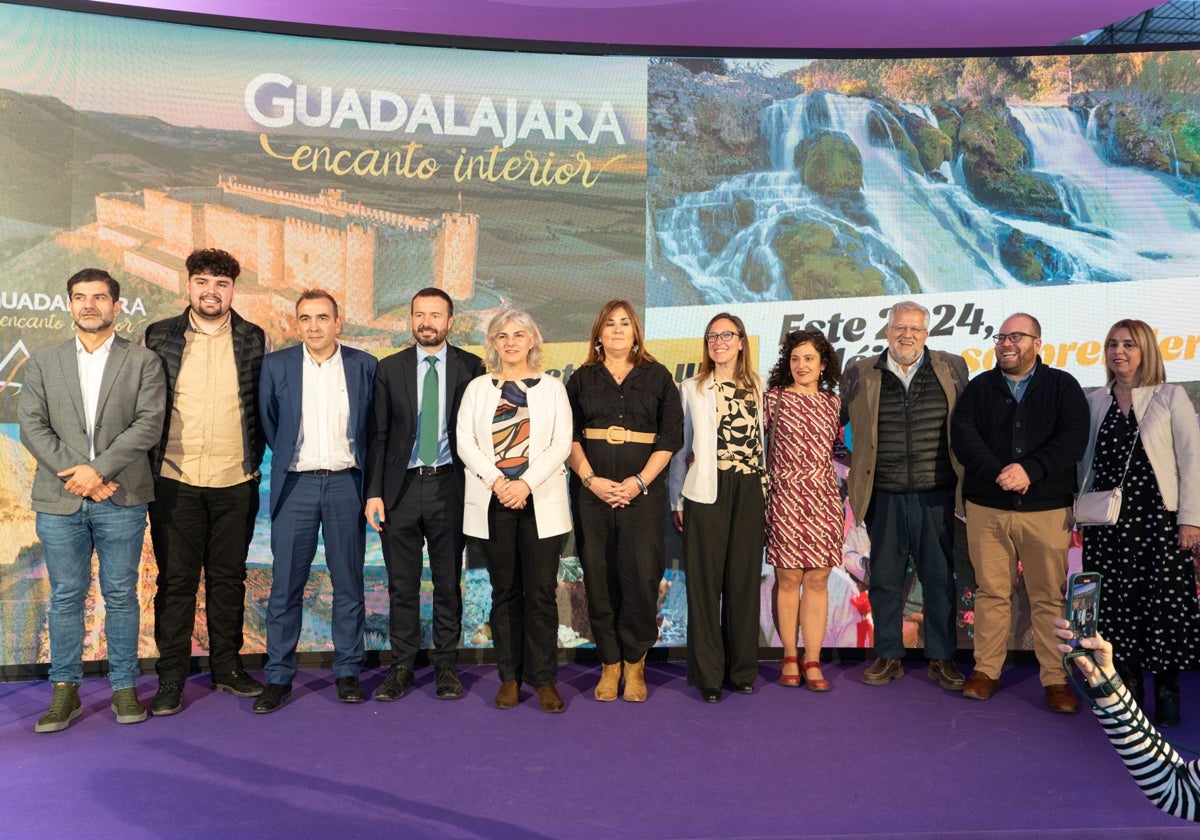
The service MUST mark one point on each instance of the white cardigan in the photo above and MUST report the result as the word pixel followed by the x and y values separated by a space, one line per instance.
pixel 699 482
pixel 550 435
pixel 1171 437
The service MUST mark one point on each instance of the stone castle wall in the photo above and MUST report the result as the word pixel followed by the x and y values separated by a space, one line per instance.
pixel 371 259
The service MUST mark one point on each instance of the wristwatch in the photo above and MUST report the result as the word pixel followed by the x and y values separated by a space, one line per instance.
pixel 1105 689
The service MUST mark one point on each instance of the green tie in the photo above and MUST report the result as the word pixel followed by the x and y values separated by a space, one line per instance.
pixel 427 448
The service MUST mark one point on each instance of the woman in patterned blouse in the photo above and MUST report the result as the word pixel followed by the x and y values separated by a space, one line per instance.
pixel 717 484
pixel 514 435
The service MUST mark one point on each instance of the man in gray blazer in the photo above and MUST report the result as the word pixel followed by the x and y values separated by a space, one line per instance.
pixel 90 411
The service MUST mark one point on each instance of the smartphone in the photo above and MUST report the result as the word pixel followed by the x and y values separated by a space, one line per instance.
pixel 1083 605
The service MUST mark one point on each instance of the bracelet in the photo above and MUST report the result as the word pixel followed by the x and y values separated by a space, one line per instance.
pixel 588 479
pixel 641 482
pixel 1105 689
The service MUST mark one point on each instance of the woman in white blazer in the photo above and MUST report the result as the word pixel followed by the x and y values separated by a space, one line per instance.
pixel 716 484
pixel 1144 438
pixel 514 435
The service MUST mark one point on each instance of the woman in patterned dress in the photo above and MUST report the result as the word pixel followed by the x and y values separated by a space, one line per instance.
pixel 805 516
pixel 717 483
pixel 514 435
pixel 1144 439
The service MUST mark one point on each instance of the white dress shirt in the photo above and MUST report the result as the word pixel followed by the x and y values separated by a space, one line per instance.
pixel 325 442
pixel 91 374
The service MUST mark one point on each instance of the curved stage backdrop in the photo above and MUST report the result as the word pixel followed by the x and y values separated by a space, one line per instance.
pixel 798 193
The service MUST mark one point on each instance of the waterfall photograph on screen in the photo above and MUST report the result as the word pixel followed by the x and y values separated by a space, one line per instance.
pixel 855 177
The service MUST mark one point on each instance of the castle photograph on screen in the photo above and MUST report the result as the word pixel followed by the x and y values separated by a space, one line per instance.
pixel 374 177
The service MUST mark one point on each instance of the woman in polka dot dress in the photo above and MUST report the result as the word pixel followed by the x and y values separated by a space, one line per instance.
pixel 1145 439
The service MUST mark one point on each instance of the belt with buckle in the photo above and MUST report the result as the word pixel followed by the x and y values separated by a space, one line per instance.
pixel 618 435
pixel 439 470
pixel 324 472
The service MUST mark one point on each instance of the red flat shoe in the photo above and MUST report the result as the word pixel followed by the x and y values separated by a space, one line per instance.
pixel 820 683
pixel 791 680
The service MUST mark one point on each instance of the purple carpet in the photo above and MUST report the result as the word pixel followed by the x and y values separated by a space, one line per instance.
pixel 903 760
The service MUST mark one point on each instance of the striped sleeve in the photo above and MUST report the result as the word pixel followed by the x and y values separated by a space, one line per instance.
pixel 1170 783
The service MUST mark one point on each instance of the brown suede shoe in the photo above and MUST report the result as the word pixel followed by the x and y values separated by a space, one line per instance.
pixel 509 694
pixel 1061 699
pixel 980 686
pixel 549 699
pixel 635 681
pixel 610 682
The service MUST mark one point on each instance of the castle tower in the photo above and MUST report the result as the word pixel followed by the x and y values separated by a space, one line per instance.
pixel 359 298
pixel 454 250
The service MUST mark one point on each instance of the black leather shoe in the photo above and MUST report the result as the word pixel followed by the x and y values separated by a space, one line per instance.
pixel 168 700
pixel 711 695
pixel 238 683
pixel 272 698
pixel 449 687
pixel 396 684
pixel 1166 706
pixel 348 690
pixel 742 687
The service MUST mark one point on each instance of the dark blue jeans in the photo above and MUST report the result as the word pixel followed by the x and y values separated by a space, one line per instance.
pixel 920 524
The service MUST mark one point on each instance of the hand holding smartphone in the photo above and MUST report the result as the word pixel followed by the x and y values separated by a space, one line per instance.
pixel 1083 605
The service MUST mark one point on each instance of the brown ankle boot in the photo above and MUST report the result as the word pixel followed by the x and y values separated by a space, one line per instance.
pixel 610 679
pixel 635 681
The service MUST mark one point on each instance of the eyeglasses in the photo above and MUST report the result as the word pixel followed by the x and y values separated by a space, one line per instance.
pixel 723 337
pixel 902 329
pixel 1012 337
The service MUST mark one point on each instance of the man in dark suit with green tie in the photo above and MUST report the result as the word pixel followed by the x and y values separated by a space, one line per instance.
pixel 414 490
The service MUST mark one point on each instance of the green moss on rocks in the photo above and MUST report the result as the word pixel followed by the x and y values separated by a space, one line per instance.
pixel 829 163
pixel 994 156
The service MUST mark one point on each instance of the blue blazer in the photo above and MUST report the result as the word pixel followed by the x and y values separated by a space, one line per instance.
pixel 280 401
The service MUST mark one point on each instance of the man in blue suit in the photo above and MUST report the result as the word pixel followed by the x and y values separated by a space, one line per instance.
pixel 316 402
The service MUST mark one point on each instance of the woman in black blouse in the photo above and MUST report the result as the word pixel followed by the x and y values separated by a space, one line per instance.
pixel 628 422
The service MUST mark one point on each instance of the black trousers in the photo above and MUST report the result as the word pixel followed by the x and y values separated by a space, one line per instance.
pixel 920 524
pixel 428 510
pixel 623 557
pixel 524 572
pixel 723 545
pixel 195 529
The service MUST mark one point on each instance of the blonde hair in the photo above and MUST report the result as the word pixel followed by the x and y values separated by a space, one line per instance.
pixel 523 320
pixel 1151 371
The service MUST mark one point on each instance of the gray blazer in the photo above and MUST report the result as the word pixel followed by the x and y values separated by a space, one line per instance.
pixel 129 422
pixel 1167 426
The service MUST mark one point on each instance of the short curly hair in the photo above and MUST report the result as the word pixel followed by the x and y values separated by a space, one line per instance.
pixel 781 374
pixel 213 261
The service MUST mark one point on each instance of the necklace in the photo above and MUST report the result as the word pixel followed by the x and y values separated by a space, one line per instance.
pixel 618 377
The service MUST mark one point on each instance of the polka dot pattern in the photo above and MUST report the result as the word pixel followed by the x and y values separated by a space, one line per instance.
pixel 1148 604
